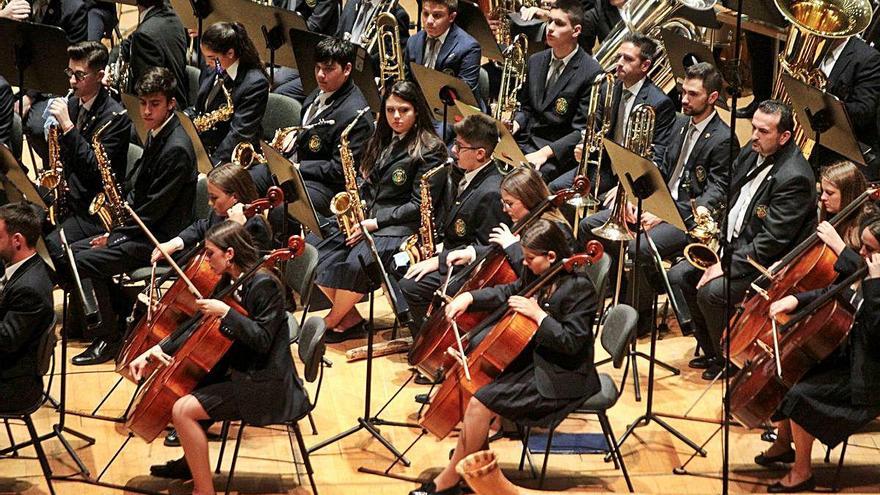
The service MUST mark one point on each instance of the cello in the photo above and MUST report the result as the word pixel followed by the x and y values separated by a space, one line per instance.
pixel 428 351
pixel 501 345
pixel 808 266
pixel 204 347
pixel 178 303
pixel 808 337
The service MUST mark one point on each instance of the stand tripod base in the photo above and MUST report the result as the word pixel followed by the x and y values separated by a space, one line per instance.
pixel 368 424
pixel 645 420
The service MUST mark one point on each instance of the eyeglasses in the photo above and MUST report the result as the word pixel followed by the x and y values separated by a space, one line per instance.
pixel 79 75
pixel 507 204
pixel 460 147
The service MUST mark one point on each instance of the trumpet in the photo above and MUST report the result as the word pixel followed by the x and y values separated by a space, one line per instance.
pixel 704 252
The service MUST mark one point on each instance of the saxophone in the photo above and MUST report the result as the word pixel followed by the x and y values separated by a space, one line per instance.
pixel 421 246
pixel 209 120
pixel 53 179
pixel 108 204
pixel 347 205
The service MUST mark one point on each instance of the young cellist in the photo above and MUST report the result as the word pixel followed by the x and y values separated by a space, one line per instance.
pixel 562 349
pixel 255 380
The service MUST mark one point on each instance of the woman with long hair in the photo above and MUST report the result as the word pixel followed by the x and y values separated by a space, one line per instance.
pixel 403 148
pixel 841 183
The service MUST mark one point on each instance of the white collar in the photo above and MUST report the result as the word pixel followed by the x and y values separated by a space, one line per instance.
pixel 87 105
pixel 155 132
pixel 469 176
pixel 566 59
pixel 834 55
pixel 232 70
pixel 705 123
pixel 442 37
pixel 635 88
pixel 144 14
pixel 11 269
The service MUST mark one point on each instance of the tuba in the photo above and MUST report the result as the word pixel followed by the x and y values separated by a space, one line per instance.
pixel 704 252
pixel 108 204
pixel 421 246
pixel 347 205
pixel 390 56
pixel 513 75
pixel 53 179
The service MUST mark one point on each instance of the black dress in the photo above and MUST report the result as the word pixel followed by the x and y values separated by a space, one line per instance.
pixel 841 395
pixel 555 373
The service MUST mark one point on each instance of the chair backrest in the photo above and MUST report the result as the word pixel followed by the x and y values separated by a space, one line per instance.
pixel 598 274
pixel 618 331
pixel 300 272
pixel 281 111
pixel 46 348
pixel 134 154
pixel 16 136
pixel 192 83
pixel 201 209
pixel 483 84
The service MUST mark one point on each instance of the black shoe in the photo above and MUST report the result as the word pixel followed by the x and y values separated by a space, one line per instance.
pixel 430 489
pixel 355 332
pixel 175 470
pixel 424 380
pixel 807 485
pixel 423 399
pixel 100 351
pixel 172 440
pixel 748 111
pixel 785 457
pixel 719 370
pixel 701 363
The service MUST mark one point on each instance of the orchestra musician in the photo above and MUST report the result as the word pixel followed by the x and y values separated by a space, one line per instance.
pixel 88 110
pixel 471 208
pixel 555 94
pixel 358 14
pixel 840 395
pixel 255 380
pixel 551 377
pixel 694 167
pixel 403 149
pixel 841 183
pixel 161 189
pixel 7 105
pixel 634 59
pixel 336 98
pixel 26 306
pixel 227 45
pixel 599 21
pixel 771 184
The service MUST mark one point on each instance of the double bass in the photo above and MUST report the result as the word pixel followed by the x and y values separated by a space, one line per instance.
pixel 428 351
pixel 501 345
pixel 808 266
pixel 178 303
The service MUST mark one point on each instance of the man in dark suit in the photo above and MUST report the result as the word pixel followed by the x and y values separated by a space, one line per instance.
pixel 160 40
pixel 26 306
pixel 442 45
pixel 695 167
pixel 853 71
pixel 471 208
pixel 321 16
pixel 358 14
pixel 633 88
pixel 90 108
pixel 338 99
pixel 772 209
pixel 102 19
pixel 7 107
pixel 161 189
pixel 599 22
pixel 555 94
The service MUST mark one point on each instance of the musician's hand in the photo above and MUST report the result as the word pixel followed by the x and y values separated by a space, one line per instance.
pixel 702 211
pixel 609 197
pixel 829 236
pixel 27 104
pixel 630 212
pixel 236 214
pixel 58 109
pixel 514 127
pixel 287 144
pixel 105 81
pixel 463 256
pixel 785 305
pixel 874 266
pixel 502 236
pixel 579 151
pixel 152 355
pixel 529 13
pixel 423 268
pixel 540 157
pixel 16 10
pixel 170 247
pixel 527 306
pixel 458 305
pixel 649 221
pixel 710 274
pixel 99 241
pixel 192 33
pixel 212 307
pixel 493 25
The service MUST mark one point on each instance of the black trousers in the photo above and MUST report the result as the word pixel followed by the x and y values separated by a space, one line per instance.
pixel 707 304
pixel 102 19
pixel 288 83
pixel 76 227
pixel 419 295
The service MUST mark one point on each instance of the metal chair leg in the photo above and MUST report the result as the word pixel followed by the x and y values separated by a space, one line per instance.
pixel 234 457
pixel 305 455
pixel 41 455
pixel 522 457
pixel 546 458
pixel 224 433
pixel 11 438
pixel 312 424
pixel 834 486
pixel 603 418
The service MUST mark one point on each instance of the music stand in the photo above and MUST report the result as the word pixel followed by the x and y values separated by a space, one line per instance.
pixel 641 179
pixel 684 52
pixel 133 106
pixel 507 150
pixel 823 115
pixel 22 189
pixel 296 196
pixel 203 160
pixel 441 92
pixel 474 22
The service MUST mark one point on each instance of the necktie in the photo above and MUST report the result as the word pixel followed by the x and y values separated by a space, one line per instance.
pixel 218 82
pixel 737 214
pixel 462 185
pixel 314 109
pixel 619 128
pixel 359 22
pixel 431 52
pixel 555 72
pixel 81 118
pixel 675 178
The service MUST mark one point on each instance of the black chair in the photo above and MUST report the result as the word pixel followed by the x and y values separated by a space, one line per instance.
pixel 192 83
pixel 619 329
pixel 299 275
pixel 45 356
pixel 281 111
pixel 872 427
pixel 16 137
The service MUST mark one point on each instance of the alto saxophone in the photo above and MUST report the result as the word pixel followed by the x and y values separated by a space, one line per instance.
pixel 421 246
pixel 347 205
pixel 107 204
pixel 209 120
pixel 53 179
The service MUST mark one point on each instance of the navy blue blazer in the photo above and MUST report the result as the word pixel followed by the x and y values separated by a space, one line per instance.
pixel 459 56
pixel 349 15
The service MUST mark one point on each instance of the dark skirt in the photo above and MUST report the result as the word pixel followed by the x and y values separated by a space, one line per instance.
pixel 218 400
pixel 514 395
pixel 822 404
pixel 339 266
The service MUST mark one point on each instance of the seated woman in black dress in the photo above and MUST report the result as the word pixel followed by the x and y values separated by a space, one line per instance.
pixel 554 374
pixel 841 183
pixel 255 380
pixel 230 187
pixel 403 148
pixel 840 395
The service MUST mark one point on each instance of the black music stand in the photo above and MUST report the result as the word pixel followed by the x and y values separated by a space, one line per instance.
pixel 823 115
pixel 19 188
pixel 642 180
pixel 362 72
pixel 296 196
pixel 683 52
pixel 507 150
pixel 441 92
pixel 203 160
